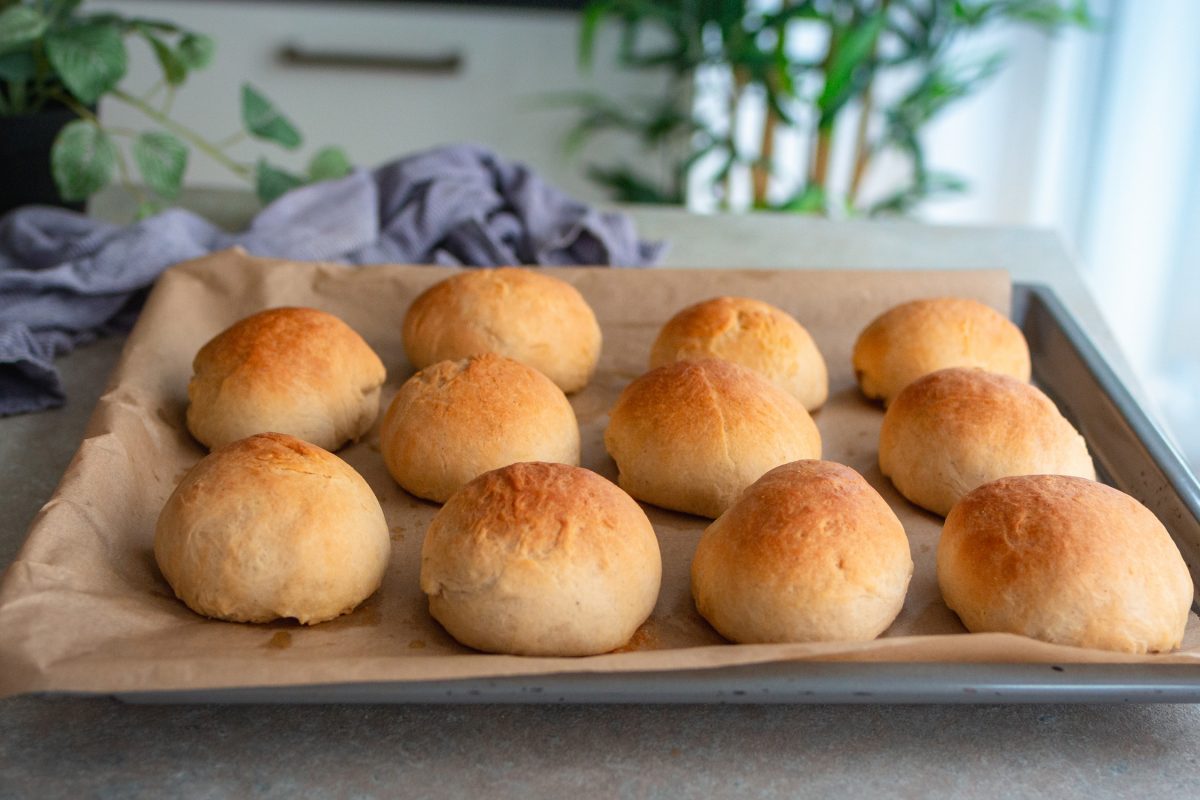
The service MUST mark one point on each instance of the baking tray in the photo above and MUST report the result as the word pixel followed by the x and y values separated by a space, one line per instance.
pixel 1131 453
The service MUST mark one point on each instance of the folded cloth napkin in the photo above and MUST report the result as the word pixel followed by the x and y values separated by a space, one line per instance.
pixel 66 278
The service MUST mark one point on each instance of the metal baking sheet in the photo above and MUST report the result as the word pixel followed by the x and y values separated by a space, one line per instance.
pixel 1131 453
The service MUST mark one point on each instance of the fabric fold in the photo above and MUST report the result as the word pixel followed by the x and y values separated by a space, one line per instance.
pixel 66 278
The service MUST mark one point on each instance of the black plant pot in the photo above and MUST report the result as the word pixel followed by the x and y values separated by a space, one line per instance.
pixel 25 143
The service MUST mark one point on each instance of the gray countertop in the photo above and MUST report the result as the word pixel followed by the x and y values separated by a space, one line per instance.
pixel 65 746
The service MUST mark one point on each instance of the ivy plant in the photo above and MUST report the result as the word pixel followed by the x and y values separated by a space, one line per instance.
pixel 867 44
pixel 53 54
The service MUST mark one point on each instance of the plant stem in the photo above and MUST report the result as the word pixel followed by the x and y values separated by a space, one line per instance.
pixel 819 162
pixel 153 90
pixel 862 153
pixel 16 96
pixel 127 178
pixel 208 148
pixel 232 139
pixel 820 171
pixel 760 172
pixel 80 110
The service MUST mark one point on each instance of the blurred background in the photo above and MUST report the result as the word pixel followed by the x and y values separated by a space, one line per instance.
pixel 1085 119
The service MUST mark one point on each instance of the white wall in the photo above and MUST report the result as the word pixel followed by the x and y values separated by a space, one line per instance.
pixel 512 60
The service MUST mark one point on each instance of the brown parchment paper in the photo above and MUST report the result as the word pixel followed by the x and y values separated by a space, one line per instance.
pixel 84 607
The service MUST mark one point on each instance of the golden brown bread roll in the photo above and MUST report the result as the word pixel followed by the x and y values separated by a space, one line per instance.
pixel 751 333
pixel 297 371
pixel 923 336
pixel 526 315
pixel 809 553
pixel 1065 560
pixel 956 429
pixel 541 559
pixel 691 435
pixel 270 527
pixel 456 420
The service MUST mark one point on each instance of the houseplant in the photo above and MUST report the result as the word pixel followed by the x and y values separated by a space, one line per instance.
pixel 886 66
pixel 57 61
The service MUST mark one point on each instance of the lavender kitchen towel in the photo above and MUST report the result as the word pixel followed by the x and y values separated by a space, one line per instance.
pixel 66 278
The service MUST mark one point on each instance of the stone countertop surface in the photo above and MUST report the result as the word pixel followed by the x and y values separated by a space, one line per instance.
pixel 72 747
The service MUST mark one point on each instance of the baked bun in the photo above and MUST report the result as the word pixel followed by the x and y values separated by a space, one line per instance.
pixel 523 314
pixel 956 429
pixel 271 527
pixel 751 333
pixel 541 560
pixel 809 553
pixel 1064 560
pixel 297 371
pixel 692 435
pixel 456 420
pixel 924 336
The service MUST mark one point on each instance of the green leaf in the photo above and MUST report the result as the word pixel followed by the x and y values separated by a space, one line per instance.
pixel 90 59
pixel 18 67
pixel 160 25
pixel 196 50
pixel 789 12
pixel 173 69
pixel 270 182
pixel 62 9
pixel 851 52
pixel 328 163
pixel 82 160
pixel 627 186
pixel 811 200
pixel 264 120
pixel 162 160
pixel 593 15
pixel 20 25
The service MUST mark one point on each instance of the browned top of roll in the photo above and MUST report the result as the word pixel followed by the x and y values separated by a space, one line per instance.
pixel 1064 560
pixel 922 336
pixel 455 420
pixel 693 434
pixel 809 552
pixel 748 332
pixel 523 314
pixel 955 429
pixel 298 371
pixel 541 559
pixel 282 347
pixel 518 512
pixel 271 526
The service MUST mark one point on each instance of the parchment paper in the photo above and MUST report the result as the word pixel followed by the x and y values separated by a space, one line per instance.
pixel 84 607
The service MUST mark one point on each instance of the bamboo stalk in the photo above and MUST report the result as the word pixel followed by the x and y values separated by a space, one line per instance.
pixel 820 172
pixel 818 166
pixel 862 153
pixel 760 172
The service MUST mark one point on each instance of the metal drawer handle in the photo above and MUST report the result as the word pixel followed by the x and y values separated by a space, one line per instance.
pixel 295 55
